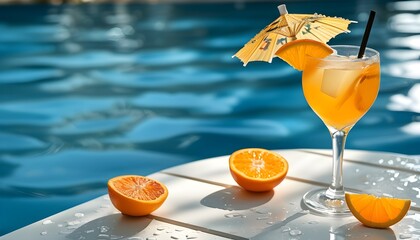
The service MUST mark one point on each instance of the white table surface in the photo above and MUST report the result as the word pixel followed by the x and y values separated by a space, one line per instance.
pixel 204 202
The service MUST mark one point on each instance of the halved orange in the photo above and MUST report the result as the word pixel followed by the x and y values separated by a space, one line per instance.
pixel 257 169
pixel 377 212
pixel 136 195
pixel 295 52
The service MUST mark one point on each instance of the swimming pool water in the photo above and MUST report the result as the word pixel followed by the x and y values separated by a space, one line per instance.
pixel 92 91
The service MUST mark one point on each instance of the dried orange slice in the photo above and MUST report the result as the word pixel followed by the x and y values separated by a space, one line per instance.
pixel 377 212
pixel 257 169
pixel 136 195
pixel 295 52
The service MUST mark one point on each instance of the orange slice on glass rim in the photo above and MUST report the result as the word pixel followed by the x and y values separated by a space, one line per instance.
pixel 377 212
pixel 295 52
pixel 257 169
pixel 136 195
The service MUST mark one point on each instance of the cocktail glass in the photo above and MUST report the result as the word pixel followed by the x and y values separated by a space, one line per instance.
pixel 340 89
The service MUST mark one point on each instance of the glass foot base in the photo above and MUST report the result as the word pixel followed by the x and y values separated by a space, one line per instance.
pixel 317 201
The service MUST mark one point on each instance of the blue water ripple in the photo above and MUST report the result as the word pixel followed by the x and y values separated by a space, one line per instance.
pixel 188 23
pixel 24 118
pixel 205 103
pixel 87 59
pixel 68 84
pixel 19 142
pixel 224 102
pixel 66 166
pixel 25 75
pixel 92 126
pixel 64 107
pixel 169 56
pixel 159 128
pixel 16 48
pixel 169 77
pixel 33 33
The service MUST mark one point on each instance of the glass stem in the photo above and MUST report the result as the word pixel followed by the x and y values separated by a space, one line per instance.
pixel 336 190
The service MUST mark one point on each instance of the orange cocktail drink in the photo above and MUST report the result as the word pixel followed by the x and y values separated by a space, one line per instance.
pixel 341 89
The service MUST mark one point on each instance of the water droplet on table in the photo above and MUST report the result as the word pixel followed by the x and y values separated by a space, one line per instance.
pixel 79 215
pixel 262 211
pixel 400 188
pixel 411 179
pixel 44 233
pixel 295 232
pixel 73 223
pixel 405 236
pixel 160 228
pixel 234 215
pixel 380 179
pixel 65 232
pixel 90 231
pixel 418 191
pixel 115 237
pixel 415 216
pixel 380 161
pixel 103 229
pixel 286 229
pixel 390 162
pixel 177 236
pixel 313 222
pixel 263 218
pixel 48 221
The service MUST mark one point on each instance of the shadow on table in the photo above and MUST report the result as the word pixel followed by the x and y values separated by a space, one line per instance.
pixel 116 226
pixel 355 230
pixel 236 198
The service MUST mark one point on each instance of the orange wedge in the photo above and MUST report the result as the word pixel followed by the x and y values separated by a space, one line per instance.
pixel 257 169
pixel 136 195
pixel 364 97
pixel 295 52
pixel 377 212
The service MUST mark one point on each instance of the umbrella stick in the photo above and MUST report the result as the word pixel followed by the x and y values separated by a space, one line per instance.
pixel 366 34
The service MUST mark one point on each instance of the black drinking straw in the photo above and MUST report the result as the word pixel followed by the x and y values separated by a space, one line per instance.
pixel 366 34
